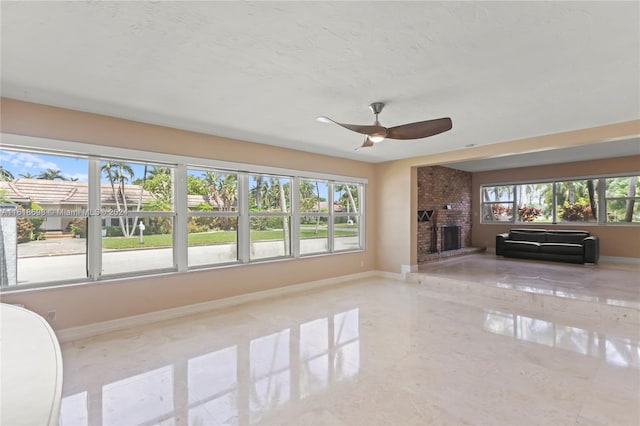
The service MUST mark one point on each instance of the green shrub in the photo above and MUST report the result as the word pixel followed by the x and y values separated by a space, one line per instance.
pixel 528 214
pixel 576 212
pixel 24 228
pixel 37 221
pixel 79 227
pixel 114 231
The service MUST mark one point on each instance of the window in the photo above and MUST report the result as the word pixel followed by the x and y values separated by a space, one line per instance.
pixel 497 203
pixel 576 201
pixel 534 202
pixel 594 200
pixel 44 218
pixel 71 218
pixel 269 216
pixel 213 217
pixel 622 199
pixel 136 202
pixel 314 217
pixel 346 216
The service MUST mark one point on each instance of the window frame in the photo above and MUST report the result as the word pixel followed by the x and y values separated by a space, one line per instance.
pixel 235 214
pixel 601 200
pixel 266 214
pixel 180 165
pixel 604 208
pixel 319 214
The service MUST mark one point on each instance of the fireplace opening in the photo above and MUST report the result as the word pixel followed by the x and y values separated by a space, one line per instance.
pixel 450 238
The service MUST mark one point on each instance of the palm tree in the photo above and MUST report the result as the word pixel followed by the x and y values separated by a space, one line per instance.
pixel 5 175
pixel 318 207
pixel 285 218
pixel 633 182
pixel 258 191
pixel 117 172
pixel 308 200
pixel 28 176
pixel 347 199
pixel 51 174
pixel 228 191
pixel 592 198
pixel 222 189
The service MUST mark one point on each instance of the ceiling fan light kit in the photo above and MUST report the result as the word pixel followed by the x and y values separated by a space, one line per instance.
pixel 377 133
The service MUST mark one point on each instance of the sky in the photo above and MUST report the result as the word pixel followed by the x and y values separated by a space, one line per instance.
pixel 23 163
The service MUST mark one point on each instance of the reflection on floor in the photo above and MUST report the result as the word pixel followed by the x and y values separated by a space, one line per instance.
pixel 614 284
pixel 375 351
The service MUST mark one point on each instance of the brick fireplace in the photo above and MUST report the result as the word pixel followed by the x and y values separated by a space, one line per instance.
pixel 446 194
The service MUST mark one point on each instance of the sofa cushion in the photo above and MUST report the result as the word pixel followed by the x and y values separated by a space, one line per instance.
pixel 526 246
pixel 566 237
pixel 526 235
pixel 562 248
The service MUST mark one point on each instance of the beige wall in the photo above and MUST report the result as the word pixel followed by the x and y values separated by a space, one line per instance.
pixel 615 240
pixel 391 205
pixel 85 304
pixel 396 190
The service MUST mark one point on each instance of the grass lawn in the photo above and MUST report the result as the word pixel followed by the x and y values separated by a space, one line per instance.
pixel 208 238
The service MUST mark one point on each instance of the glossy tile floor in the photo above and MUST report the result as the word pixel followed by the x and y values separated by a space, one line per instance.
pixel 371 352
pixel 608 283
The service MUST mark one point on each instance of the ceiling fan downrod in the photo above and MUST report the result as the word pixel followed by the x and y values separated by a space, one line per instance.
pixel 379 136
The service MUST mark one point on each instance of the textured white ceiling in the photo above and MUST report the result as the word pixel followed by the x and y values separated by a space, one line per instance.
pixel 263 71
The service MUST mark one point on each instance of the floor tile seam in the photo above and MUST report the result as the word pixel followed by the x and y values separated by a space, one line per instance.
pixel 592 386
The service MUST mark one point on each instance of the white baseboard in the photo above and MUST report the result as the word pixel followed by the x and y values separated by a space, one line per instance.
pixel 618 259
pixel 85 331
pixel 390 275
pixel 407 269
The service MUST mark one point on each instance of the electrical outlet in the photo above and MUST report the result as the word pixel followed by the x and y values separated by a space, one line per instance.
pixel 51 316
pixel 362 263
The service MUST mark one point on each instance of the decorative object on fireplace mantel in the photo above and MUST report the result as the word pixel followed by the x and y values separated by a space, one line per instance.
pixel 424 215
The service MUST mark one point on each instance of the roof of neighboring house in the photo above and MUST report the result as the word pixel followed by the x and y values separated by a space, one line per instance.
pixel 324 207
pixel 62 192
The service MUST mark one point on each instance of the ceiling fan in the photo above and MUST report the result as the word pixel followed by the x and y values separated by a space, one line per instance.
pixel 376 133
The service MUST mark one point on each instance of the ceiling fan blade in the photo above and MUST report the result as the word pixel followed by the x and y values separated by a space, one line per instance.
pixel 365 130
pixel 366 144
pixel 420 129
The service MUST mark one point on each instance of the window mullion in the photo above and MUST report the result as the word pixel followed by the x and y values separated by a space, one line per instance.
pixel 295 217
pixel 554 209
pixel 331 219
pixel 515 202
pixel 602 201
pixel 94 228
pixel 244 233
pixel 180 208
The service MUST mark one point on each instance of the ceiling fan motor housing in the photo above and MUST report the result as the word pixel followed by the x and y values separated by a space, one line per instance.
pixel 376 107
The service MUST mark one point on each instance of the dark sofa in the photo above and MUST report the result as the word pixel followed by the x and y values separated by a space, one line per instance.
pixel 561 245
